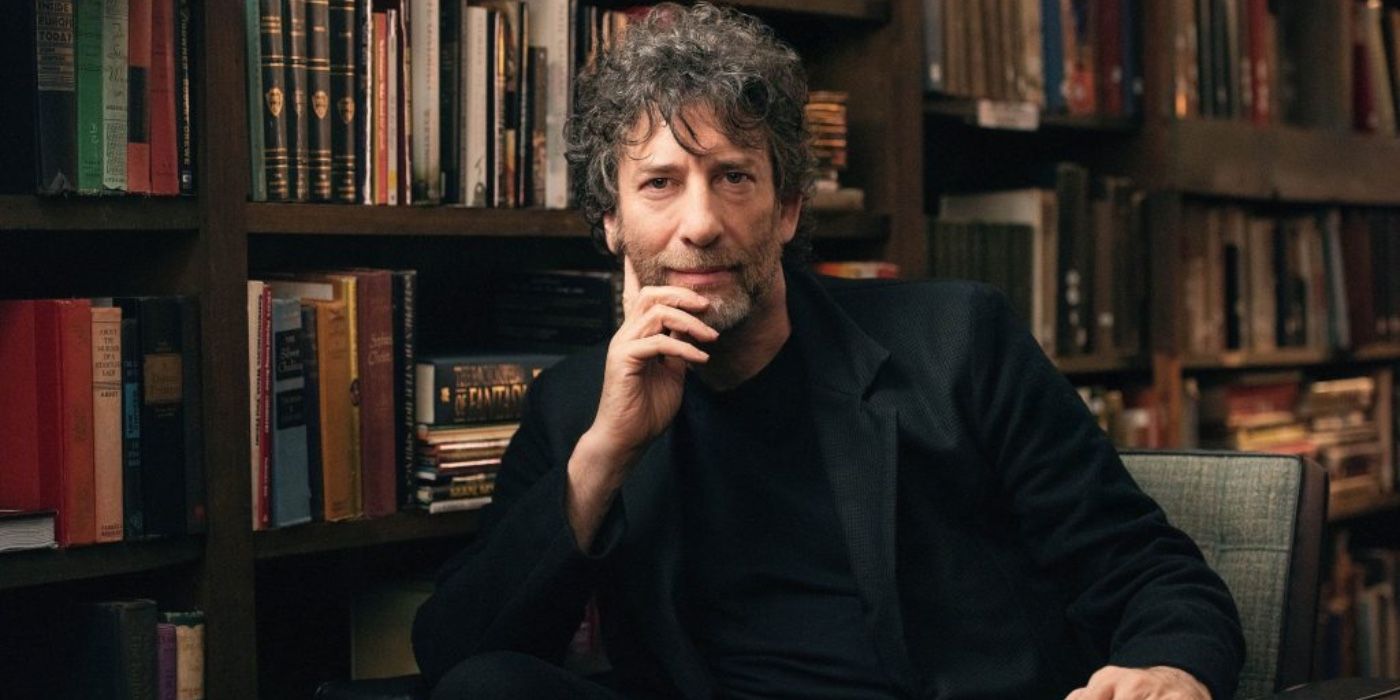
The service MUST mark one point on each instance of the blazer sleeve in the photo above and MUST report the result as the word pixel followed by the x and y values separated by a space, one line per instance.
pixel 1139 587
pixel 523 584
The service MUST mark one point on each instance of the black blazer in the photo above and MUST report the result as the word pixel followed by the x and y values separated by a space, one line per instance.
pixel 999 546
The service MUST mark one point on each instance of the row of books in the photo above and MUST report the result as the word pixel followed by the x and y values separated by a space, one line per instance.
pixel 434 101
pixel 1131 417
pixel 1069 255
pixel 1261 282
pixel 102 416
pixel 1346 424
pixel 1064 56
pixel 331 390
pixel 348 421
pixel 97 98
pixel 1359 630
pixel 1330 65
pixel 108 649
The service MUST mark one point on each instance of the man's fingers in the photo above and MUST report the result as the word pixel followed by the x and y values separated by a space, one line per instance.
pixel 654 346
pixel 668 320
pixel 679 297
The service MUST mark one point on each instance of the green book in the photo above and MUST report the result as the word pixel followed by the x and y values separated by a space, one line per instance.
pixel 253 38
pixel 90 87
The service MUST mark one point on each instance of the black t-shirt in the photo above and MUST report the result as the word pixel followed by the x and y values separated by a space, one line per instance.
pixel 770 600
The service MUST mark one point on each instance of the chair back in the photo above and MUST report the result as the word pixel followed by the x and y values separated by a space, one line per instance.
pixel 1259 521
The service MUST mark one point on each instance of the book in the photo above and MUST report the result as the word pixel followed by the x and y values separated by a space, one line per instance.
pixel 462 389
pixel 161 95
pixel 133 516
pixel 166 665
pixel 138 123
pixel 371 293
pixel 107 422
pixel 24 530
pixel 290 483
pixel 63 329
pixel 189 653
pixel 426 67
pixel 259 439
pixel 87 17
pixel 116 93
pixel 320 115
pixel 56 110
pixel 184 131
pixel 294 46
pixel 116 652
pixel 405 315
pixel 311 404
pixel 346 113
pixel 21 480
pixel 274 101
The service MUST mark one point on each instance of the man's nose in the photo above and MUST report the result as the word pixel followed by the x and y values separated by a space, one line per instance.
pixel 701 223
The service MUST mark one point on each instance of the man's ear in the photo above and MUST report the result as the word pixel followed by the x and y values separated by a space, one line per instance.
pixel 789 211
pixel 610 230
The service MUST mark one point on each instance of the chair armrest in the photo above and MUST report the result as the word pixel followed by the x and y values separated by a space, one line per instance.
pixel 1343 689
pixel 398 688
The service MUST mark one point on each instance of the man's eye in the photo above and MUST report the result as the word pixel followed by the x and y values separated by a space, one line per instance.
pixel 735 177
pixel 657 183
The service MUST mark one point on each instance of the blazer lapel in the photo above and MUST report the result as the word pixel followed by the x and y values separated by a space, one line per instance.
pixel 858 442
pixel 650 501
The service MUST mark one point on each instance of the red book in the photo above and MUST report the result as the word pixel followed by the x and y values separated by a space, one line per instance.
pixel 64 370
pixel 19 426
pixel 138 124
pixel 381 108
pixel 379 464
pixel 165 167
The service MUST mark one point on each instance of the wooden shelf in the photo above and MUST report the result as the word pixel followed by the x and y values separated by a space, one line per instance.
pixel 355 220
pixel 1238 159
pixel 865 10
pixel 1348 511
pixel 31 213
pixel 1100 365
pixel 40 567
pixel 328 537
pixel 1301 357
pixel 965 110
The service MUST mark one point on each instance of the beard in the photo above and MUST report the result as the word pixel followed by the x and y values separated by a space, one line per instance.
pixel 755 271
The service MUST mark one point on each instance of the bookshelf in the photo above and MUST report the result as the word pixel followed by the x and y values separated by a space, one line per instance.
pixel 254 586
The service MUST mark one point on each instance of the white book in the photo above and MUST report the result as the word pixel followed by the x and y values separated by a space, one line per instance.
pixel 549 27
pixel 114 93
pixel 107 420
pixel 477 80
pixel 425 65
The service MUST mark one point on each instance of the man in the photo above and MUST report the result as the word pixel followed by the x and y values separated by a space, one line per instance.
pixel 776 486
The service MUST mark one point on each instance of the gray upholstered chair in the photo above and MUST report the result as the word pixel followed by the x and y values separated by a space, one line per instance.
pixel 1258 520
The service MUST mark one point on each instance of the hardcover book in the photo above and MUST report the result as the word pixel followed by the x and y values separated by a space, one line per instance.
pixel 461 389
pixel 320 110
pixel 107 421
pixel 64 370
pixel 290 488
pixel 138 129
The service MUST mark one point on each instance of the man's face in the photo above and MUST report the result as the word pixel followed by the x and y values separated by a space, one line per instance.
pixel 709 221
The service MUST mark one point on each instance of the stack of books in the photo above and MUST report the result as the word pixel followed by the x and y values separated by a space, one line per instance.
pixel 826 120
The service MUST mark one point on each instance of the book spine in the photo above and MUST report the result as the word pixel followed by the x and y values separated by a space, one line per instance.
pixel 392 110
pixel 106 422
pixel 21 479
pixel 134 521
pixel 365 114
pixel 184 128
pixel 298 147
pixel 254 312
pixel 166 664
pixel 337 449
pixel 114 94
pixel 381 106
pixel 311 402
pixel 320 117
pixel 189 653
pixel 405 346
pixel 466 393
pixel 345 116
pixel 252 36
pixel 404 107
pixel 88 15
pixel 503 116
pixel 275 102
pixel 425 63
pixel 449 102
pixel 291 498
pixel 165 169
pixel 162 417
pixel 56 101
pixel 374 342
pixel 64 368
pixel 138 124
pixel 263 410
pixel 196 517
pixel 476 188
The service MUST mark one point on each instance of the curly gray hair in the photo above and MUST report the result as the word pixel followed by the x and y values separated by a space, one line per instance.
pixel 675 60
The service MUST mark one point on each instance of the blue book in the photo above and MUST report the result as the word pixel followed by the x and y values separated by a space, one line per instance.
pixel 1053 42
pixel 291 481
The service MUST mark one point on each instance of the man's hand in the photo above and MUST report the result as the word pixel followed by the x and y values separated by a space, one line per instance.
pixel 643 381
pixel 1155 683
